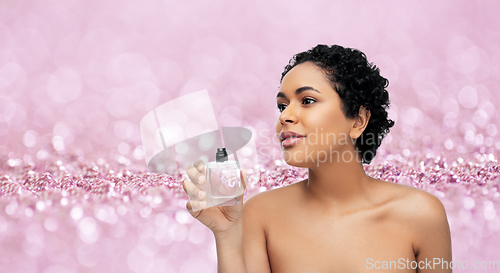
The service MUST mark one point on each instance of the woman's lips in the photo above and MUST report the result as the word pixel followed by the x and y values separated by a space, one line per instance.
pixel 289 142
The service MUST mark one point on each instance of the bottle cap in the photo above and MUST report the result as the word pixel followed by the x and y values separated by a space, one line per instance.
pixel 221 155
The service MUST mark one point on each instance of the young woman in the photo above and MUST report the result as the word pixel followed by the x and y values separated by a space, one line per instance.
pixel 333 117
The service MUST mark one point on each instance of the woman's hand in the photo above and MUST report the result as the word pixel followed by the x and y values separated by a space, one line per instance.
pixel 219 219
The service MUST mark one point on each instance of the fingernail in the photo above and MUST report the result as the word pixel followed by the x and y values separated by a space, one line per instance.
pixel 201 194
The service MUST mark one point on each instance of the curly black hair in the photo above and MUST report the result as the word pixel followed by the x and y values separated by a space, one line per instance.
pixel 358 83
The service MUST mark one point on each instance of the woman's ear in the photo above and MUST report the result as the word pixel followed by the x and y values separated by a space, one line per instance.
pixel 360 122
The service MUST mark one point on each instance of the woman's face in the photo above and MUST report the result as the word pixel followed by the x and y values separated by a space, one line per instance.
pixel 311 111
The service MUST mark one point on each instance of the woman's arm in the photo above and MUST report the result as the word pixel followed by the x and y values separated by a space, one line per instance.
pixel 254 237
pixel 433 246
pixel 230 250
pixel 243 248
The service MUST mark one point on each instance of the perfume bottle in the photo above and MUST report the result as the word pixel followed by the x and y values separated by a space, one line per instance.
pixel 223 180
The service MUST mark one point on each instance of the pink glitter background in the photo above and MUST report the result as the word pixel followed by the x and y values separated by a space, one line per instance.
pixel 76 77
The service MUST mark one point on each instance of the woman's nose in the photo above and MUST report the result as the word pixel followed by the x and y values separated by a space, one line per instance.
pixel 288 115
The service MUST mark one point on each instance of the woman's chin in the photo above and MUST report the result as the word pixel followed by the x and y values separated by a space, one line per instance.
pixel 298 165
pixel 297 162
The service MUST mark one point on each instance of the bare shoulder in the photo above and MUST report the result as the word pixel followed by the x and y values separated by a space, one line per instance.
pixel 415 203
pixel 422 212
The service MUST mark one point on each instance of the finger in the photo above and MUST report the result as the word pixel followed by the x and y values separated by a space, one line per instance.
pixel 195 175
pixel 244 179
pixel 194 191
pixel 201 180
pixel 196 207
pixel 189 207
pixel 199 164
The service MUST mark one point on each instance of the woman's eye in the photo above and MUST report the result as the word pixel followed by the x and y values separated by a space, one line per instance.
pixel 308 101
pixel 281 107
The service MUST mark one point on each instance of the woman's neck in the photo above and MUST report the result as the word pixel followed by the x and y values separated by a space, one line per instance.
pixel 339 183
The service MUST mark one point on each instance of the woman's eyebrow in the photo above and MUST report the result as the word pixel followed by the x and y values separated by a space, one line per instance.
pixel 298 91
